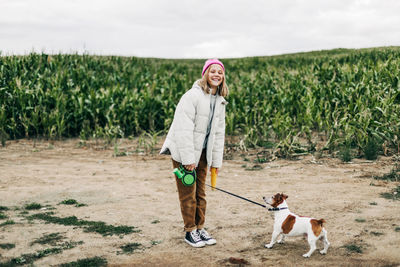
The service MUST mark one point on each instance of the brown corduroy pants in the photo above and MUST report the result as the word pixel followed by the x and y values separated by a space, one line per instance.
pixel 193 198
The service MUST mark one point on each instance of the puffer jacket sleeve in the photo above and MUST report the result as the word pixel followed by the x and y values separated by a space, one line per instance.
pixel 218 148
pixel 184 122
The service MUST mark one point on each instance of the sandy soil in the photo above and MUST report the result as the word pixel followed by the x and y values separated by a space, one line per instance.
pixel 139 190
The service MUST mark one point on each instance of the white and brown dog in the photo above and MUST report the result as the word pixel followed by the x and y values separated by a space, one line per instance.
pixel 287 223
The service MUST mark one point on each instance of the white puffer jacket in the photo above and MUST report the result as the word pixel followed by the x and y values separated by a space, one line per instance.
pixel 186 135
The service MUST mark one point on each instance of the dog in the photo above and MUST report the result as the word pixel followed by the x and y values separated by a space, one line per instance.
pixel 287 223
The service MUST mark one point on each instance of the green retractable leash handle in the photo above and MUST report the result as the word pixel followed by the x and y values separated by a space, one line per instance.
pixel 188 178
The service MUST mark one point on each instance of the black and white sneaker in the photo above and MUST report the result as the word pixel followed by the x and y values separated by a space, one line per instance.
pixel 206 237
pixel 193 239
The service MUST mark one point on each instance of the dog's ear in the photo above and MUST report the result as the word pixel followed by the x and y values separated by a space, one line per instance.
pixel 284 196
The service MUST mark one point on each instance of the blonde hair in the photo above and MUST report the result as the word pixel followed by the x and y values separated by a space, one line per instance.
pixel 222 88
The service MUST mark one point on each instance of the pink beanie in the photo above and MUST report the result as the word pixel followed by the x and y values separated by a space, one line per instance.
pixel 209 63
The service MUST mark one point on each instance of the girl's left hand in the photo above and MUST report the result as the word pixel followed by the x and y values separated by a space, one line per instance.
pixel 216 170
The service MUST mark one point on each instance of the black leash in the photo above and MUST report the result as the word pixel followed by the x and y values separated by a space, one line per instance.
pixel 238 196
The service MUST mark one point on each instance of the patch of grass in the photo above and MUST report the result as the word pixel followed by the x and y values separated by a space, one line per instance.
pixel 360 220
pixel 373 203
pixel 88 262
pixel 3 208
pixel 397 229
pixel 69 245
pixel 394 195
pixel 371 149
pixel 3 137
pixel 33 206
pixel 72 202
pixel 129 248
pixel 31 257
pixel 393 175
pixel 8 222
pixel 155 242
pixel 7 246
pixel 353 248
pixel 376 233
pixel 69 202
pixel 89 226
pixel 121 153
pixel 46 252
pixel 260 160
pixel 3 216
pixel 345 154
pixel 255 167
pixel 155 221
pixel 104 229
pixel 51 239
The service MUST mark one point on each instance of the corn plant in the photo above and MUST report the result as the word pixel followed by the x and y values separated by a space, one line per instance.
pixel 349 96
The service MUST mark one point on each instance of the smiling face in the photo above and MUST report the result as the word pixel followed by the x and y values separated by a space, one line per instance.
pixel 215 76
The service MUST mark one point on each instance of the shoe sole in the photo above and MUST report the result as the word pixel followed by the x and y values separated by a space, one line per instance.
pixel 210 243
pixel 195 245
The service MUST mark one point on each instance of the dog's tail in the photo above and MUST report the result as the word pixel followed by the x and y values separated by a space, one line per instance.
pixel 317 226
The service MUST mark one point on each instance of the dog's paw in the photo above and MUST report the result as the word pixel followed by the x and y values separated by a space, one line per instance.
pixel 268 246
pixel 280 241
pixel 323 252
pixel 306 255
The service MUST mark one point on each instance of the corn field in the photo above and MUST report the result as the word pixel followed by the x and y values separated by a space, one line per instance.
pixel 289 102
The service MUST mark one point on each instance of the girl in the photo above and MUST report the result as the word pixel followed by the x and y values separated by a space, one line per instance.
pixel 196 141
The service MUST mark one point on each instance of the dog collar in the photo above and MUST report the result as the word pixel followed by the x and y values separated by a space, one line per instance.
pixel 276 209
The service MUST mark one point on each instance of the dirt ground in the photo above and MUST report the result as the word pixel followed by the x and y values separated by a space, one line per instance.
pixel 139 190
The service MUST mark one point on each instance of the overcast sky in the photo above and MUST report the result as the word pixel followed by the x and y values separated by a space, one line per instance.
pixel 195 29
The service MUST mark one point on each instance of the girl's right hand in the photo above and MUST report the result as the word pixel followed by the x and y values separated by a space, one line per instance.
pixel 190 167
